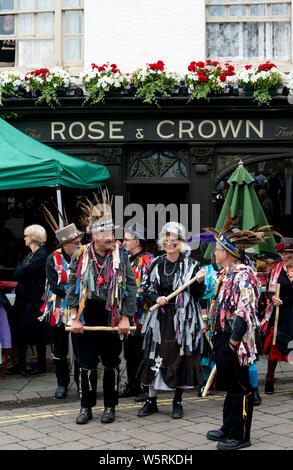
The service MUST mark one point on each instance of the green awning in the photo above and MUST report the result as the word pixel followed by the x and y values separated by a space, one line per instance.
pixel 27 163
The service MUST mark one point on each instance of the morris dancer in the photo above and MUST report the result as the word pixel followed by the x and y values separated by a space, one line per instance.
pixel 234 320
pixel 101 292
pixel 173 333
pixel 135 242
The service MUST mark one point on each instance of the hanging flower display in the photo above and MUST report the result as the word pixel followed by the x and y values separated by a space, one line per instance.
pixel 102 80
pixel 210 77
pixel 47 85
pixel 10 84
pixel 154 81
pixel 261 81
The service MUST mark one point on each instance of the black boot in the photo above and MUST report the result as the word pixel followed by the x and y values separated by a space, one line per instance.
pixel 177 410
pixel 142 395
pixel 269 386
pixel 148 408
pixel 84 416
pixel 256 397
pixel 108 415
pixel 61 391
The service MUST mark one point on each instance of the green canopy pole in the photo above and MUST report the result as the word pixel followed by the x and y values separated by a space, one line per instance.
pixel 59 205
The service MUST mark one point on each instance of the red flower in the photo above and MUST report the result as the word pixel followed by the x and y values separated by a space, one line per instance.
pixel 230 67
pixel 202 78
pixel 222 77
pixel 200 64
pixel 248 67
pixel 114 66
pixel 208 61
pixel 191 68
pixel 215 63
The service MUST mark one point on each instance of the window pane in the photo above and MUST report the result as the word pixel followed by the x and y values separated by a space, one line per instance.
pixel 35 52
pixel 280 10
pixel 44 4
pixel 237 10
pixel 72 49
pixel 6 4
pixel 73 22
pixel 26 23
pixel 25 4
pixel 216 11
pixel 249 40
pixel 7 53
pixel 7 24
pixel 72 3
pixel 258 10
pixel 45 23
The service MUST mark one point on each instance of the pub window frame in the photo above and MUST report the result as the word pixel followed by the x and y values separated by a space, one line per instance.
pixel 58 34
pixel 248 18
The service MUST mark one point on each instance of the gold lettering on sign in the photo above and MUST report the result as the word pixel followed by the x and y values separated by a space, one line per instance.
pixel 283 131
pixel 164 136
pixel 94 130
pixel 113 129
pixel 187 130
pixel 34 133
pixel 82 127
pixel 55 130
pixel 259 131
pixel 230 125
pixel 207 136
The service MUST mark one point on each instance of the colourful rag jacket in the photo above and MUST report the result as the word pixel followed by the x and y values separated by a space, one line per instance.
pixel 117 289
pixel 55 308
pixel 237 295
pixel 140 267
pixel 276 269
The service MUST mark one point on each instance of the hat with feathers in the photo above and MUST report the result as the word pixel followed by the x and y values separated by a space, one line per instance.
pixel 64 234
pixel 97 216
pixel 236 241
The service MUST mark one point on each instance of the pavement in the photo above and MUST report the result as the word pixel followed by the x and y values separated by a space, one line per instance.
pixel 32 419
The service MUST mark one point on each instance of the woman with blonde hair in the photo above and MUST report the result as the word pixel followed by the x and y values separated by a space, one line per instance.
pixel 31 277
pixel 173 333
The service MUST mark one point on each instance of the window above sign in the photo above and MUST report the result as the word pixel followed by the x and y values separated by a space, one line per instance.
pixel 41 33
pixel 242 30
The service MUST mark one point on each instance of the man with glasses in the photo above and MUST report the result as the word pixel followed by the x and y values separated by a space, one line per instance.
pixel 55 307
pixel 135 242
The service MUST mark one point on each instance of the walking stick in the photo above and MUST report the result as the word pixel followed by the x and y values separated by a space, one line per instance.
pixel 209 382
pixel 176 292
pixel 99 328
pixel 276 316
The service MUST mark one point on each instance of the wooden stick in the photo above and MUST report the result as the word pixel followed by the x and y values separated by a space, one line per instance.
pixel 209 382
pixel 276 316
pixel 99 328
pixel 176 292
pixel 208 340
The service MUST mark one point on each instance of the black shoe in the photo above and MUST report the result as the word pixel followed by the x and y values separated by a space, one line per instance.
pixel 108 415
pixel 256 397
pixel 16 369
pixel 142 396
pixel 177 410
pixel 216 435
pixel 148 408
pixel 269 387
pixel 232 444
pixel 34 372
pixel 84 416
pixel 61 391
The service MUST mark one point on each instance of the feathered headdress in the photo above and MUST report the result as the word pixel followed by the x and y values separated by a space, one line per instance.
pixel 235 240
pixel 97 216
pixel 64 234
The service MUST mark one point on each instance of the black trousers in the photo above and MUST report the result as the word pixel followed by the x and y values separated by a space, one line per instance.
pixel 61 339
pixel 133 355
pixel 93 347
pixel 238 405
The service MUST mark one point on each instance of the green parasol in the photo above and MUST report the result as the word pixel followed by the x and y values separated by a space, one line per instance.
pixel 242 196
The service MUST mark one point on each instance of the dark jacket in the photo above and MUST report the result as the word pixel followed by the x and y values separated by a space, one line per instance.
pixel 31 275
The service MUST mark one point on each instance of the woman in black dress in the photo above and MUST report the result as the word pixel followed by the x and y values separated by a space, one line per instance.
pixel 31 277
pixel 173 333
pixel 281 273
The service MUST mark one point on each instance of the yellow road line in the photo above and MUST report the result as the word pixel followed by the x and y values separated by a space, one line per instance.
pixel 121 407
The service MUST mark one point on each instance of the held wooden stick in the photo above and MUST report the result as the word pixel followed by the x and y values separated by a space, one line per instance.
pixel 209 382
pixel 99 328
pixel 176 292
pixel 276 317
